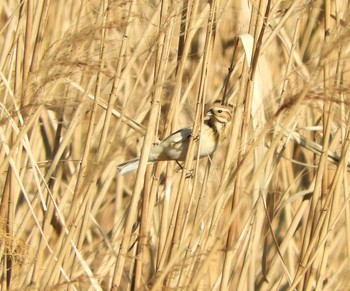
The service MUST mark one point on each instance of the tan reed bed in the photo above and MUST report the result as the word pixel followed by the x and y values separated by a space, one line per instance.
pixel 86 85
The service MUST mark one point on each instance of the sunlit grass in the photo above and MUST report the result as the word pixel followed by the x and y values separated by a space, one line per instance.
pixel 86 85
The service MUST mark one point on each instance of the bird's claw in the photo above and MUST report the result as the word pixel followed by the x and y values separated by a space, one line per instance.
pixel 189 174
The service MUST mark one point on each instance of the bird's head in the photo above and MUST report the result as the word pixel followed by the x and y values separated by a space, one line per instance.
pixel 220 113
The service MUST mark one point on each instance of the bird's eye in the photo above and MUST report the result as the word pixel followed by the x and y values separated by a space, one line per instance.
pixel 220 111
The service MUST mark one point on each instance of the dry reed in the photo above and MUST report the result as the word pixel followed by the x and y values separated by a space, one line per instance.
pixel 86 85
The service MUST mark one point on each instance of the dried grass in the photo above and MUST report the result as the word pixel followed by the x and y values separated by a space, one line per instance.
pixel 86 85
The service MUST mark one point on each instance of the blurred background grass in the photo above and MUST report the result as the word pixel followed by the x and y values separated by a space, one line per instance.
pixel 83 82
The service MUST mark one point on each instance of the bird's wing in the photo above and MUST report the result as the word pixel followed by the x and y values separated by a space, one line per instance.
pixel 179 136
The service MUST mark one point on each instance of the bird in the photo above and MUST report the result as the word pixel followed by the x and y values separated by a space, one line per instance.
pixel 175 146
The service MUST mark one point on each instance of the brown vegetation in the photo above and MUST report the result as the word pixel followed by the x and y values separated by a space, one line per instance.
pixel 86 85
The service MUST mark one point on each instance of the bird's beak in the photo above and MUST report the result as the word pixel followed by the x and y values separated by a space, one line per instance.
pixel 209 113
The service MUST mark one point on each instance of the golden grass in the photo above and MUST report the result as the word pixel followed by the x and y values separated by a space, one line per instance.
pixel 86 85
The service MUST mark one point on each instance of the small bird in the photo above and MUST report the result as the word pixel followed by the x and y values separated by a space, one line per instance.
pixel 175 146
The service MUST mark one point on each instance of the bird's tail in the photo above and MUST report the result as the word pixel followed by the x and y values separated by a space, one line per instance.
pixel 128 166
